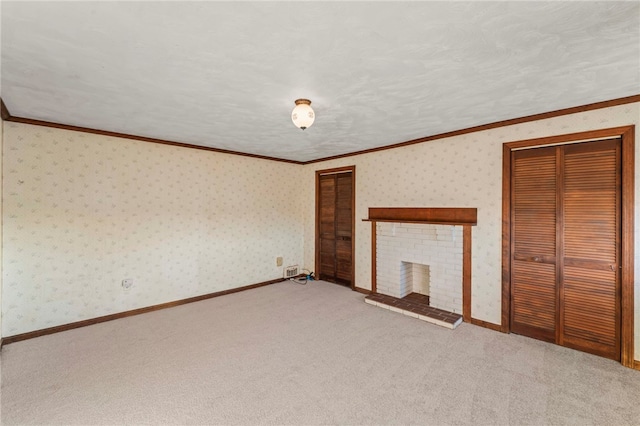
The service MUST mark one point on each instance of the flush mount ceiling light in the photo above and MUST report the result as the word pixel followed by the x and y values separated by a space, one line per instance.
pixel 303 115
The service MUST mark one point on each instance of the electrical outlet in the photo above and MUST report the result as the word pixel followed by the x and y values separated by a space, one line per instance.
pixel 278 261
pixel 127 283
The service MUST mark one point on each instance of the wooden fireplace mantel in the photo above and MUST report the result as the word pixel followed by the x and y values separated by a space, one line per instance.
pixel 431 215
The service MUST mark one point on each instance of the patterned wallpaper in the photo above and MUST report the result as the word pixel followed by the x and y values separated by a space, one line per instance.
pixel 462 171
pixel 82 212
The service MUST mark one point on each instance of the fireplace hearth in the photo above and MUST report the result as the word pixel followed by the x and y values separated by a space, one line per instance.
pixel 416 305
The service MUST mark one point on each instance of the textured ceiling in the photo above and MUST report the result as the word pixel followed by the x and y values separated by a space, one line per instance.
pixel 225 74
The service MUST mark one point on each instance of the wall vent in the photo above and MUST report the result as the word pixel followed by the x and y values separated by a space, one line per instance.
pixel 290 271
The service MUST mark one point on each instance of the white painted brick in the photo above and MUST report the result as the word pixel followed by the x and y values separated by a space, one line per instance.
pixel 412 238
pixel 427 259
pixel 417 226
pixel 426 248
pixel 438 246
pixel 384 282
pixel 448 244
pixel 421 283
pixel 444 231
pixel 409 243
pixel 449 263
pixel 450 299
pixel 452 281
pixel 398 242
pixel 385 274
pixel 430 243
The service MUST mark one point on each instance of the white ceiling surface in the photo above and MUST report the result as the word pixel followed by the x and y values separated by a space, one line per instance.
pixel 225 74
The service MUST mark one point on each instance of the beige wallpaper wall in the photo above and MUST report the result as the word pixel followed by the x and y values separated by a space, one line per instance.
pixel 462 171
pixel 82 212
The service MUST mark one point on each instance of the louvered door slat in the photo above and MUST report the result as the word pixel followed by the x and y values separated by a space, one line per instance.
pixel 589 313
pixel 534 299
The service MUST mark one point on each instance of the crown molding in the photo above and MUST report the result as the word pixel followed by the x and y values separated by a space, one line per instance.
pixel 494 125
pixel 23 120
pixel 535 117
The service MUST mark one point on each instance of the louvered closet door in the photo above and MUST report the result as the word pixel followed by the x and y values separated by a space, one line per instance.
pixel 590 315
pixel 344 224
pixel 533 264
pixel 327 227
pixel 336 223
pixel 566 245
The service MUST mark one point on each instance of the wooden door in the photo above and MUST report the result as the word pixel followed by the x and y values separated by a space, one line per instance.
pixel 565 265
pixel 533 263
pixel 335 227
pixel 590 290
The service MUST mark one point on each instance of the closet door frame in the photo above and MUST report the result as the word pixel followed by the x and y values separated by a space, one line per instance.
pixel 626 133
pixel 337 170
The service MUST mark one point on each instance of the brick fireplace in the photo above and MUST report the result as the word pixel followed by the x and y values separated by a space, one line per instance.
pixel 422 262
pixel 420 258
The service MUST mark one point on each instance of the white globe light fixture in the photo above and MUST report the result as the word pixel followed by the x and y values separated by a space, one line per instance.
pixel 303 115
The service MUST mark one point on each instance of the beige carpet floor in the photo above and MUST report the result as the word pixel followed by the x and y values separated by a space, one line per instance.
pixel 314 354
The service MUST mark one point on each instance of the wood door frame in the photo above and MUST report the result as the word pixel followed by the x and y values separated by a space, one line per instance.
pixel 626 134
pixel 334 171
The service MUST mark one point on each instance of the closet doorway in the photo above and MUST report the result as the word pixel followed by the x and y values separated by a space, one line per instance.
pixel 335 225
pixel 568 241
